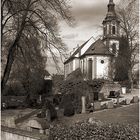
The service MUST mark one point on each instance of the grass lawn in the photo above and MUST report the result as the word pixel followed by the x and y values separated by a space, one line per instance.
pixel 128 114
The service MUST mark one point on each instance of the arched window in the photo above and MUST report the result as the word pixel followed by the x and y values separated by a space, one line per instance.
pixel 83 65
pixel 90 69
pixel 113 30
pixel 109 29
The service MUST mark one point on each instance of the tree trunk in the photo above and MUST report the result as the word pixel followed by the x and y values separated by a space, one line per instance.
pixel 10 60
pixel 10 57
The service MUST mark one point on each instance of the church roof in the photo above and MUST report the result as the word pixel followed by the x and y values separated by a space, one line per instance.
pixel 95 48
pixel 98 48
pixel 75 52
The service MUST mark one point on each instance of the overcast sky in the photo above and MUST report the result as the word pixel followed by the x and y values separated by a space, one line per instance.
pixel 88 15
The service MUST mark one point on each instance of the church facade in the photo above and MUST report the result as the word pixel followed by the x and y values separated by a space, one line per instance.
pixel 94 58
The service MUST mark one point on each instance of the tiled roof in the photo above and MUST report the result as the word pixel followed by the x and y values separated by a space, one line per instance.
pixel 76 51
pixel 98 48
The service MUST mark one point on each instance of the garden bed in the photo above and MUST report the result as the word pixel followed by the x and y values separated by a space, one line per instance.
pixel 94 130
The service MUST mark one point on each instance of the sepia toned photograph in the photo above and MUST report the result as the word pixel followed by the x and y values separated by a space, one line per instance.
pixel 70 70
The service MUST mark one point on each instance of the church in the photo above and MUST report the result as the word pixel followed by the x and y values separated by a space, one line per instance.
pixel 95 58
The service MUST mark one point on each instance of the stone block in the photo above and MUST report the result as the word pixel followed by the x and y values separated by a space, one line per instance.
pixel 83 98
pixel 127 101
pixel 122 102
pixel 97 105
pixel 101 96
pixel 104 106
pixel 123 90
pixel 135 99
pixel 10 122
pixel 110 105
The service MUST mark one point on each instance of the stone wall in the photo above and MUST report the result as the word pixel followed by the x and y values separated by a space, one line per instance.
pixel 8 133
pixel 107 87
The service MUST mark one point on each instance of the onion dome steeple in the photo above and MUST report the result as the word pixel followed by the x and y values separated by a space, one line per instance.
pixel 111 14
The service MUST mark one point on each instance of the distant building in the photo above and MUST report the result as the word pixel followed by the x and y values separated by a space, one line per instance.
pixel 94 58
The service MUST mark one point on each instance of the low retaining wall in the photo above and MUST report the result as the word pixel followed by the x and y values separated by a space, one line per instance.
pixel 107 87
pixel 8 133
pixel 25 117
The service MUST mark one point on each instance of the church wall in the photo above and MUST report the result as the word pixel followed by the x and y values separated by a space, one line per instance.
pixel 102 67
pixel 68 68
pixel 94 67
pixel 65 70
pixel 99 70
pixel 71 66
pixel 75 63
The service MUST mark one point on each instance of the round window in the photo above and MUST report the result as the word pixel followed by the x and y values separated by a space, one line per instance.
pixel 102 61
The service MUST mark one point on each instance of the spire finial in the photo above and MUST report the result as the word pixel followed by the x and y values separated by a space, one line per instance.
pixel 111 1
pixel 111 6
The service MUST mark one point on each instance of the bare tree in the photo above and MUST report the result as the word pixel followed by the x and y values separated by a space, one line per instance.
pixel 22 19
pixel 128 16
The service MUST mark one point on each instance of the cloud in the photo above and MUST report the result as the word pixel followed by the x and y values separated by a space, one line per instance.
pixel 70 36
pixel 87 3
pixel 89 14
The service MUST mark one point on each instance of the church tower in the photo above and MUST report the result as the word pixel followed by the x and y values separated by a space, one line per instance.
pixel 111 29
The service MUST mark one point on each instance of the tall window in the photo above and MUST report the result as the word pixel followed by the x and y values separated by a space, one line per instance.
pixel 113 29
pixel 109 29
pixel 104 30
pixel 90 69
pixel 83 65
